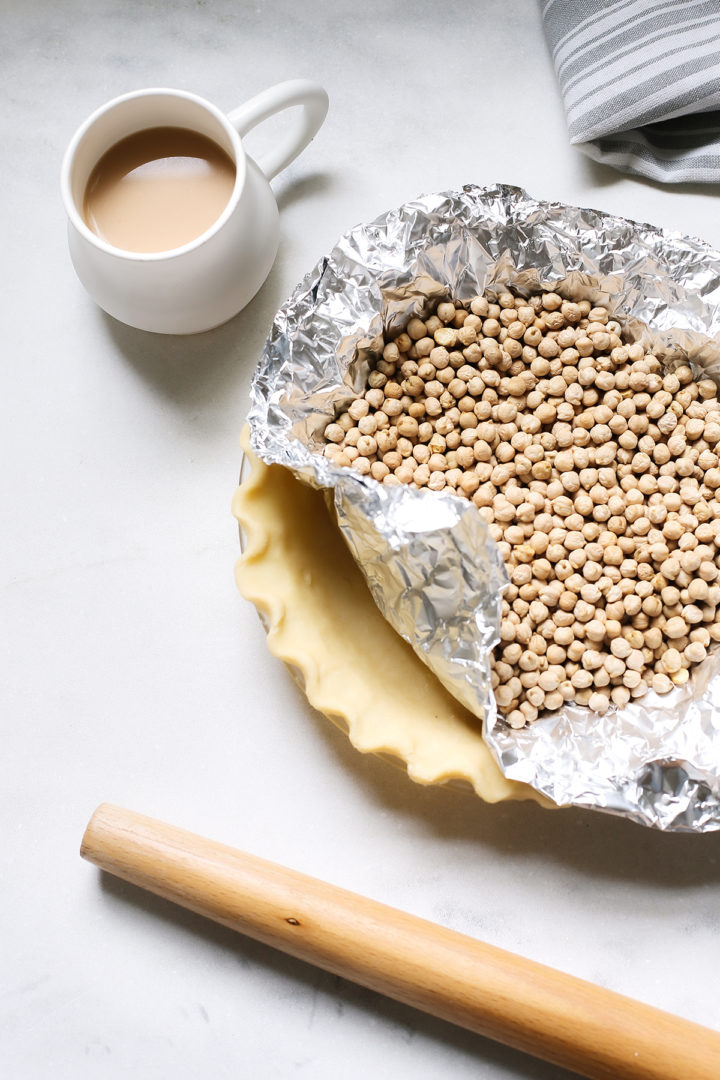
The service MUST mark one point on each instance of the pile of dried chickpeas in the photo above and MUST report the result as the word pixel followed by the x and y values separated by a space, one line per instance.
pixel 598 474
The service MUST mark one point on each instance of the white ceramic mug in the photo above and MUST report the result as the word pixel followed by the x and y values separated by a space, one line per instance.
pixel 205 282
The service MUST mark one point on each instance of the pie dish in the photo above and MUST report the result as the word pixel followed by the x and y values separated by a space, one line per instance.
pixel 435 582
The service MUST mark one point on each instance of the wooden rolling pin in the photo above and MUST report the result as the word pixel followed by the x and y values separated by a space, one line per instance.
pixel 553 1016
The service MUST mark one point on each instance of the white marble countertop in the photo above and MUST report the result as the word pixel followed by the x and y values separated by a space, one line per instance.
pixel 134 673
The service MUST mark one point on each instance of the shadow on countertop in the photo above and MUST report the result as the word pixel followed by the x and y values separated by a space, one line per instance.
pixel 194 369
pixel 338 995
pixel 596 844
pixel 605 176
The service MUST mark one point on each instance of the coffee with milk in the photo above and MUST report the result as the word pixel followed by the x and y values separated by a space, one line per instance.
pixel 158 189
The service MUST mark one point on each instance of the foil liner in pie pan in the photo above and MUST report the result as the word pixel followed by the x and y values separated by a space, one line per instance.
pixel 429 561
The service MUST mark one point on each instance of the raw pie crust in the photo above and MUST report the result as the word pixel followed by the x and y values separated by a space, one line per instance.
pixel 323 623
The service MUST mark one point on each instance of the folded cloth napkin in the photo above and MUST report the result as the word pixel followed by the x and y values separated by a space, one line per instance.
pixel 641 83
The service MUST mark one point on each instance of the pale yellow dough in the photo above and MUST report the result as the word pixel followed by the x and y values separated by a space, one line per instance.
pixel 322 621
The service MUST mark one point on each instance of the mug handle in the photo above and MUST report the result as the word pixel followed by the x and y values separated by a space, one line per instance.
pixel 314 102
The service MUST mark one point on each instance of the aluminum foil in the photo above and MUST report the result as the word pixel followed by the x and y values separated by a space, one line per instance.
pixel 429 561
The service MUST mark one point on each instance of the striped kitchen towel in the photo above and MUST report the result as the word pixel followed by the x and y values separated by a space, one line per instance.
pixel 641 83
